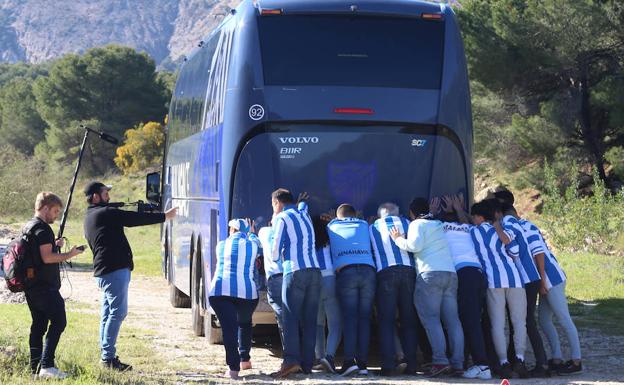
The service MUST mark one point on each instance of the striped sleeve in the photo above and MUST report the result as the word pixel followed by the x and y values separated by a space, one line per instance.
pixel 513 248
pixel 535 241
pixel 254 239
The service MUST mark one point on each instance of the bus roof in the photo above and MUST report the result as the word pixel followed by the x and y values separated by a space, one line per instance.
pixel 381 7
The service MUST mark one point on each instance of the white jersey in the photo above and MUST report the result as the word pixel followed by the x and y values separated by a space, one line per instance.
pixel 271 267
pixel 461 245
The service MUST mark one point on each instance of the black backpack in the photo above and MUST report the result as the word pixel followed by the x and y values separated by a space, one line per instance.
pixel 20 261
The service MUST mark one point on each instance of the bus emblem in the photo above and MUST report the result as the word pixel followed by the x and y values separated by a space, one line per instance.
pixel 256 112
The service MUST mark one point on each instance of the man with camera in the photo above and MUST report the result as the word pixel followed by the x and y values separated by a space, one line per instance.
pixel 44 299
pixel 112 262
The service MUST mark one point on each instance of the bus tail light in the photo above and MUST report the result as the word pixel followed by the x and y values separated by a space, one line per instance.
pixel 432 16
pixel 271 12
pixel 360 111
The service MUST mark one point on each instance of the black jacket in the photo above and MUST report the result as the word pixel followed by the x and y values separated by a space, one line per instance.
pixel 104 231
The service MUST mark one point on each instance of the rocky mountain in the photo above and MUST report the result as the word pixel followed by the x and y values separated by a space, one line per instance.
pixel 40 30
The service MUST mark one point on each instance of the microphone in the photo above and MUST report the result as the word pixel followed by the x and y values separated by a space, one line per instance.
pixel 108 138
pixel 104 136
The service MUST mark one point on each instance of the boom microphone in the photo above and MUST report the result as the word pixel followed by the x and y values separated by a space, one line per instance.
pixel 104 136
pixel 108 138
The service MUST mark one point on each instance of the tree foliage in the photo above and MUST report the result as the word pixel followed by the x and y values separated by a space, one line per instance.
pixel 111 87
pixel 20 123
pixel 143 148
pixel 560 60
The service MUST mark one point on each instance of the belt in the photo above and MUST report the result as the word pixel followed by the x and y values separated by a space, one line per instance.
pixel 275 275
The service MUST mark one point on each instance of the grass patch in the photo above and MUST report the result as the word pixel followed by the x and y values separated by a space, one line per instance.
pixel 595 288
pixel 78 351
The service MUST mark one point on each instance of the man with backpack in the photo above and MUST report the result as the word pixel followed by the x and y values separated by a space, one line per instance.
pixel 46 305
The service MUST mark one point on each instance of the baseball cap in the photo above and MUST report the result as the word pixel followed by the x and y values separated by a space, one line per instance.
pixel 239 224
pixel 95 187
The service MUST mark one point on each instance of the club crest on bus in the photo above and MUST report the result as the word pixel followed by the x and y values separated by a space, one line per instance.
pixel 352 181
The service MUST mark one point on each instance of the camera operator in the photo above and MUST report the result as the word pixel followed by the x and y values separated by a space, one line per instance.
pixel 112 262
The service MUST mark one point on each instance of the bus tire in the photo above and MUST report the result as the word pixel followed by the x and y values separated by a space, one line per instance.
pixel 212 331
pixel 197 295
pixel 177 298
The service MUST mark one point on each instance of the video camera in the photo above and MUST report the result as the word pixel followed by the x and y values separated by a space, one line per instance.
pixel 142 207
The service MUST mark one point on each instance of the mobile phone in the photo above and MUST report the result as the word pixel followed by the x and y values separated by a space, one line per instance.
pixel 81 247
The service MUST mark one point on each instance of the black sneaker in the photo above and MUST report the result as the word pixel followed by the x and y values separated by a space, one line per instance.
pixel 505 371
pixel 327 364
pixel 115 364
pixel 348 368
pixel 519 367
pixel 539 372
pixel 553 368
pixel 570 368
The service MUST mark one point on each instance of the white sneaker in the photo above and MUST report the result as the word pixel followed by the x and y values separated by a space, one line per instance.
pixel 363 372
pixel 477 372
pixel 51 373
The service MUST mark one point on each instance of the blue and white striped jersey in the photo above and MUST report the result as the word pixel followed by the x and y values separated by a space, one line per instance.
pixel 233 276
pixel 271 267
pixel 293 240
pixel 554 273
pixel 525 262
pixel 323 257
pixel 386 252
pixel 499 267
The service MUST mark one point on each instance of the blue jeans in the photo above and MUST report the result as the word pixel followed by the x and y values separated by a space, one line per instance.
pixel 114 288
pixel 355 289
pixel 436 303
pixel 234 315
pixel 274 298
pixel 555 304
pixel 395 290
pixel 330 310
pixel 300 300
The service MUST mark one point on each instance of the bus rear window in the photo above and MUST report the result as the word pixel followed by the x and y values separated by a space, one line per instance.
pixel 365 51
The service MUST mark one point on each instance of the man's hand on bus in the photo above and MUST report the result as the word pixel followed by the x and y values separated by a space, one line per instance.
pixel 304 196
pixel 171 213
pixel 434 205
pixel 394 233
pixel 252 225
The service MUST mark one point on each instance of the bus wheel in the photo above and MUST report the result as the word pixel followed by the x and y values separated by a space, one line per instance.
pixel 197 295
pixel 212 331
pixel 177 298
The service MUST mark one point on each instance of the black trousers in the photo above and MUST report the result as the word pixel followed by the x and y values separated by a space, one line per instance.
pixel 532 291
pixel 47 307
pixel 471 301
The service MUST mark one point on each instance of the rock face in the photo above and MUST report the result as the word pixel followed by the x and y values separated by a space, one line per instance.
pixel 40 30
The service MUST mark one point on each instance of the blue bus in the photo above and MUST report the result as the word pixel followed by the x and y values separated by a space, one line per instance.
pixel 351 101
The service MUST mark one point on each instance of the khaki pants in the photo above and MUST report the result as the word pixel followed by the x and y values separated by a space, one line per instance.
pixel 515 298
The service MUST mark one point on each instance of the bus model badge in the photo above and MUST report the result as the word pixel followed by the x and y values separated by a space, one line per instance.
pixel 419 142
pixel 256 112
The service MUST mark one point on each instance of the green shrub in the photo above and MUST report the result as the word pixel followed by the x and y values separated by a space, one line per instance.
pixel 573 222
pixel 615 156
